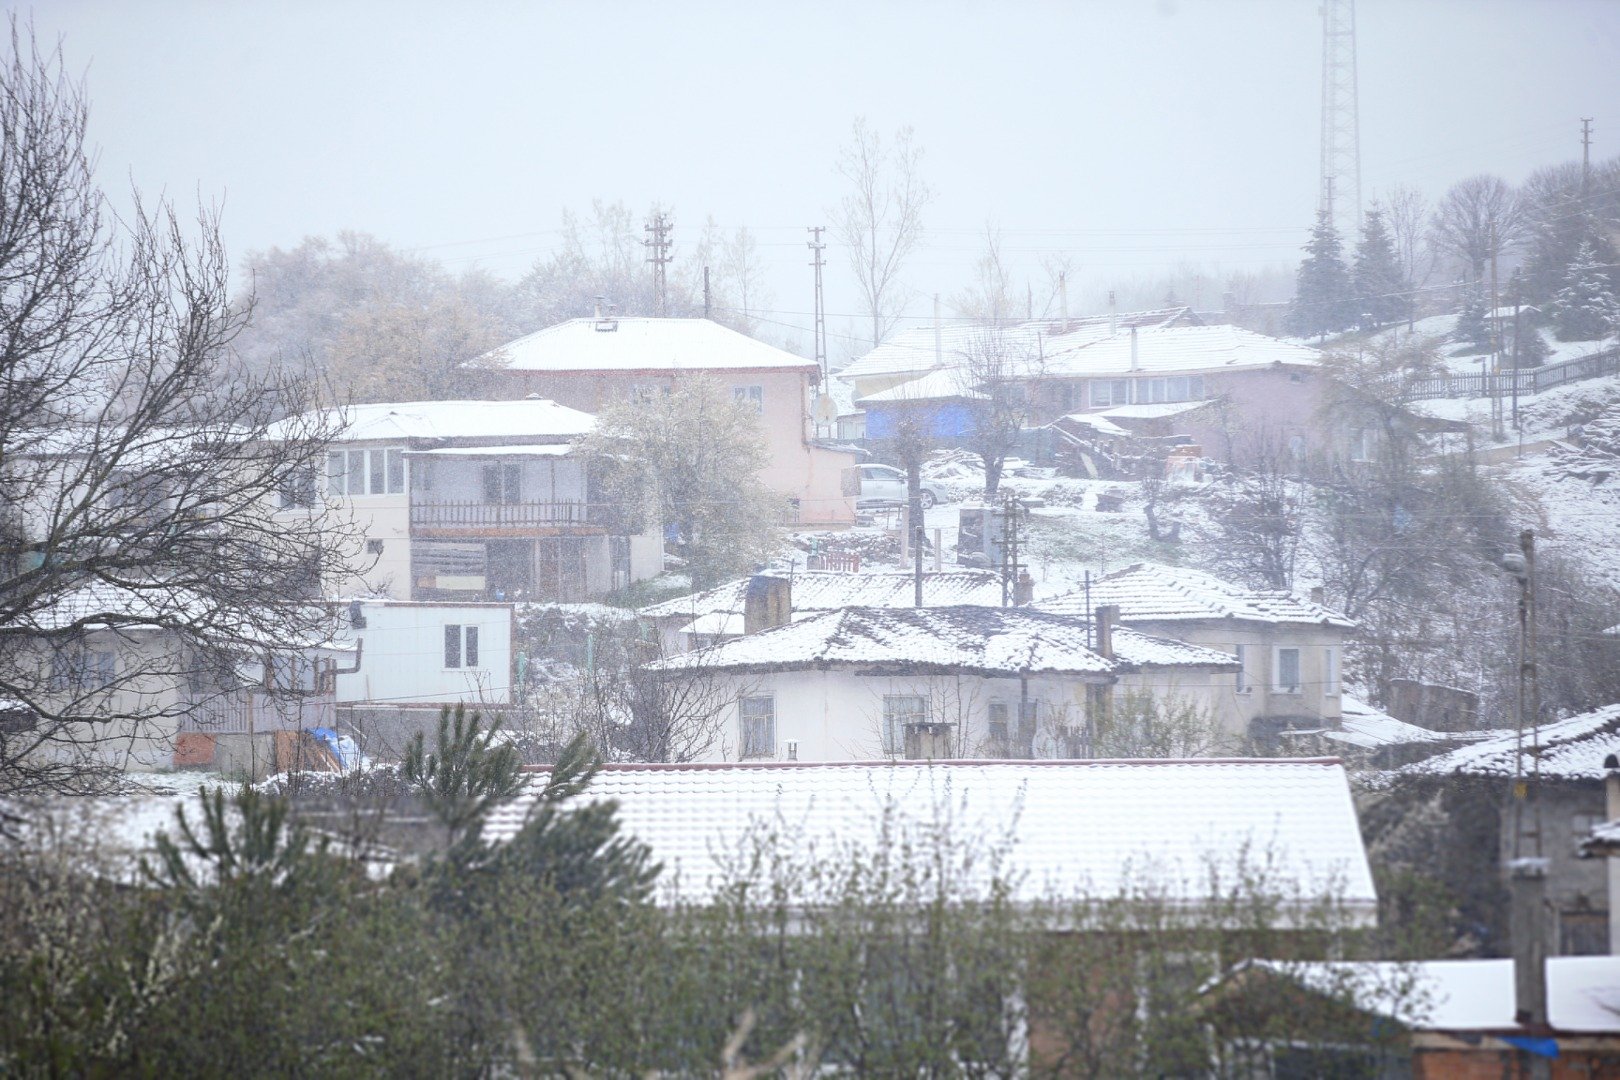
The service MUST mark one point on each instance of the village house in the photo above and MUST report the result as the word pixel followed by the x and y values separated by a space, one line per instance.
pixel 953 682
pixel 1289 650
pixel 1565 763
pixel 163 679
pixel 478 500
pixel 587 363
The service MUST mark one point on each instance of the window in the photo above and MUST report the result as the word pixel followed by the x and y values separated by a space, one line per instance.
pixel 1286 667
pixel 297 488
pixel 1173 388
pixel 77 668
pixel 379 471
pixel 1330 671
pixel 898 711
pixel 758 726
pixel 1110 392
pixel 460 646
pixel 291 673
pixel 1242 654
pixel 996 719
pixel 374 547
pixel 503 483
pixel 753 397
pixel 1364 445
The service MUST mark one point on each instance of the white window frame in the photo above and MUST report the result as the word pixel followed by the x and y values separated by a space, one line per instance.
pixel 1113 396
pixel 1244 684
pixel 898 711
pixel 79 669
pixel 1330 671
pixel 1277 684
pixel 366 473
pixel 756 710
pixel 465 655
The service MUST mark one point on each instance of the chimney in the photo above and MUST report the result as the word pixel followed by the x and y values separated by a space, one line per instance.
pixel 1319 596
pixel 767 602
pixel 1023 589
pixel 1527 926
pixel 1107 616
pixel 1134 364
pixel 1113 317
pixel 1063 291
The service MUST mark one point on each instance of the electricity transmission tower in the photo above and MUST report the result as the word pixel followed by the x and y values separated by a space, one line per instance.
pixel 1341 127
pixel 658 245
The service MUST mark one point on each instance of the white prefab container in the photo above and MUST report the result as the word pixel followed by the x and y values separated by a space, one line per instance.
pixel 429 653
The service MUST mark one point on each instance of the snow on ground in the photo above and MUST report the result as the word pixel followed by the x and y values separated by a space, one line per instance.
pixel 1578 518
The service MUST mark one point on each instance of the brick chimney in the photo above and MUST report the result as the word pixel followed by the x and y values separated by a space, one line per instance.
pixel 1107 616
pixel 767 602
pixel 1319 596
pixel 1023 589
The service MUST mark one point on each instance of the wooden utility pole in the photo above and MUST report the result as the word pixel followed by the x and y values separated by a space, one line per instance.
pixel 1586 154
pixel 1496 346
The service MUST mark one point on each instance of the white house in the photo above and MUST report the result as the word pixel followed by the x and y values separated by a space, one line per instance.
pixel 867 683
pixel 428 652
pixel 1290 649
pixel 480 500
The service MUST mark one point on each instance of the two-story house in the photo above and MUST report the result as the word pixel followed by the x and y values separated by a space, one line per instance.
pixel 587 363
pixel 1290 650
pixel 480 500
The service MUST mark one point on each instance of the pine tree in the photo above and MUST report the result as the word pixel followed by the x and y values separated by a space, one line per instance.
pixel 1474 323
pixel 1585 308
pixel 1380 287
pixel 1322 293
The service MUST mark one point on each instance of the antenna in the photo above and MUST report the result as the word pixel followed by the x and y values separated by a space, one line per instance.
pixel 1341 126
pixel 658 244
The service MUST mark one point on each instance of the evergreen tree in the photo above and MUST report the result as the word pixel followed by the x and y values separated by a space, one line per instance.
pixel 1380 287
pixel 1322 293
pixel 1585 308
pixel 1474 323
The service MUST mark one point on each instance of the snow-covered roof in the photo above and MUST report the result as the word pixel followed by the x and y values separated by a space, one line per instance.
pixel 1061 828
pixel 1163 349
pixel 528 419
pixel 97 605
pixel 1151 592
pixel 1571 749
pixel 913 351
pixel 1364 726
pixel 1583 992
pixel 1097 422
pixel 828 590
pixel 942 384
pixel 1156 410
pixel 1604 839
pixel 969 639
pixel 542 450
pixel 639 344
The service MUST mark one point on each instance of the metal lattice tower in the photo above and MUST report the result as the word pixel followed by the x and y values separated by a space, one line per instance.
pixel 1341 127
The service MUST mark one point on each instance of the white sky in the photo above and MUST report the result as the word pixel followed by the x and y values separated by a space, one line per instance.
pixel 1130 136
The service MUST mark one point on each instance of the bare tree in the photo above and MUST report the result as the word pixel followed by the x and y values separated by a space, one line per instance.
pixel 146 488
pixel 990 298
pixel 998 367
pixel 880 221
pixel 1478 218
pixel 1409 227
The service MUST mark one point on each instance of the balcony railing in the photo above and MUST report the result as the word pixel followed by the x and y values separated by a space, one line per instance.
pixel 524 515
pixel 256 711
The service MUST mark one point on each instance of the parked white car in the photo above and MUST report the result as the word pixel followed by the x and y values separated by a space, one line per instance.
pixel 885 485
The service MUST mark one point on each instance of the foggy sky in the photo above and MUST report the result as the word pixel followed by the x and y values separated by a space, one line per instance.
pixel 1129 136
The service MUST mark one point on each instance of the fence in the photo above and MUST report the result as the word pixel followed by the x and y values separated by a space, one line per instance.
pixel 256 711
pixel 482 515
pixel 1521 381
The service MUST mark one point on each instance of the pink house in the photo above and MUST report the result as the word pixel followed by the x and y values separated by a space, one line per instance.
pixel 587 363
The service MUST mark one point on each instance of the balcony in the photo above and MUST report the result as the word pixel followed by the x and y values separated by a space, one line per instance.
pixel 255 711
pixel 510 519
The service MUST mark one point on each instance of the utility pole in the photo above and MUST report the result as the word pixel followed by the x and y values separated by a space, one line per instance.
pixel 1009 547
pixel 817 246
pixel 1586 154
pixel 1496 346
pixel 658 243
pixel 706 306
pixel 1526 790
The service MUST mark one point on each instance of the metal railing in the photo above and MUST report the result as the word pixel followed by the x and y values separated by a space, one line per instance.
pixel 258 711
pixel 482 515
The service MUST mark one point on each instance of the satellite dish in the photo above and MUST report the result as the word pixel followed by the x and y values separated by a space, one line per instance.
pixel 826 409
